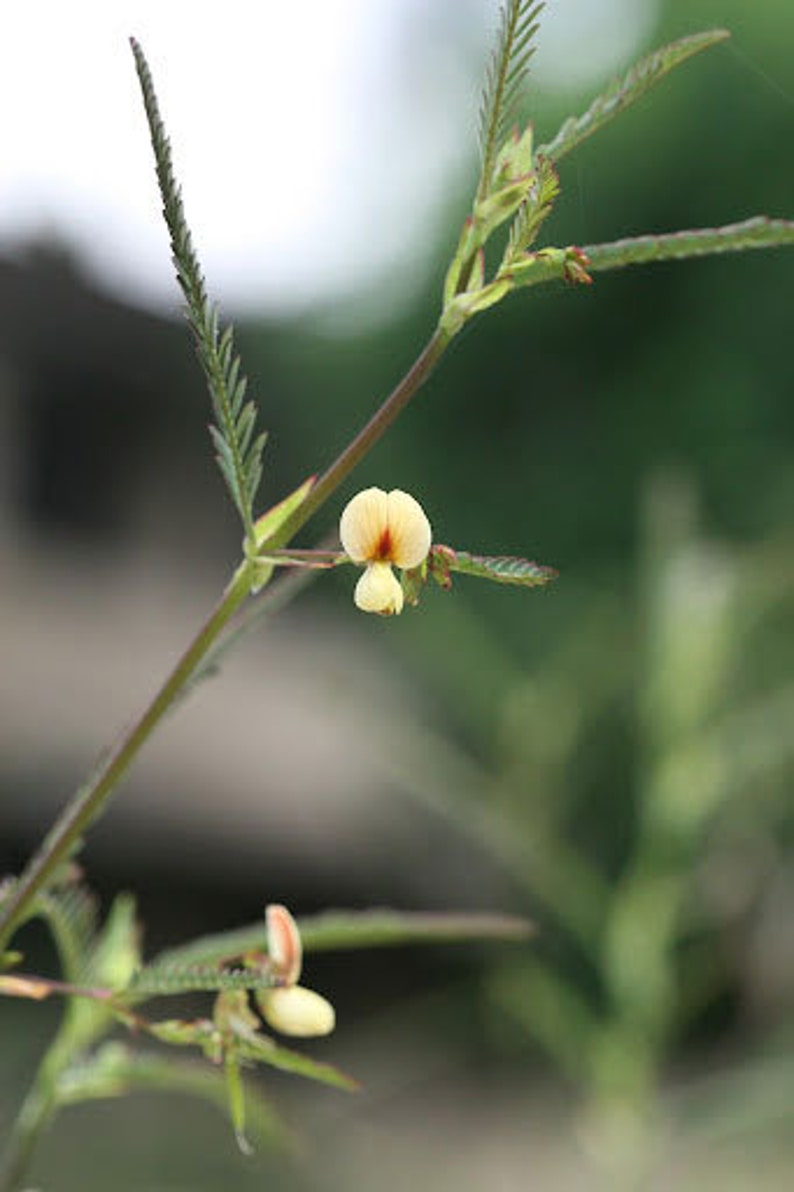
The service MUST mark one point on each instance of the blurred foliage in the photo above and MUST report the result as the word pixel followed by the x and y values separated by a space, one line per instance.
pixel 621 742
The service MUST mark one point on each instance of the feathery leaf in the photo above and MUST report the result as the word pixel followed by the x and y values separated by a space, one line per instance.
pixel 758 232
pixel 349 929
pixel 504 569
pixel 505 76
pixel 158 980
pixel 534 210
pixel 70 912
pixel 239 459
pixel 625 91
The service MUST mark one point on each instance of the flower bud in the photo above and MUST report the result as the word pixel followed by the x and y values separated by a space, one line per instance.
pixel 296 1011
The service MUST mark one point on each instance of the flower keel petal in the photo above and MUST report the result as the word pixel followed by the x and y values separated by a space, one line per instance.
pixel 379 591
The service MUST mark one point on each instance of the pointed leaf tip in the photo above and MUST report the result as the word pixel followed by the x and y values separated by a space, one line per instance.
pixel 623 92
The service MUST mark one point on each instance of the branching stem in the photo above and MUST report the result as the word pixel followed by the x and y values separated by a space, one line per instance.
pixel 91 798
pixel 364 441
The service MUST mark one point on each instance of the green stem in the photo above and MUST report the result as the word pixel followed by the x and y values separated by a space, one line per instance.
pixel 90 799
pixel 38 1109
pixel 33 1118
pixel 364 441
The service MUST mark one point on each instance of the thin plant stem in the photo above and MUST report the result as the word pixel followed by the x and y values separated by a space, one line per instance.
pixel 33 1118
pixel 91 798
pixel 364 441
pixel 38 1108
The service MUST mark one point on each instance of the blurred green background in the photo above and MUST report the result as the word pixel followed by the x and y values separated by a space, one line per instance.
pixel 612 756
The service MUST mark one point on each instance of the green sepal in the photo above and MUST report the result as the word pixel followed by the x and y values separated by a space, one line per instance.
pixel 502 569
pixel 494 210
pixel 514 159
pixel 117 954
pixel 9 960
pixel 413 581
pixel 463 306
pixel 271 522
pixel 549 264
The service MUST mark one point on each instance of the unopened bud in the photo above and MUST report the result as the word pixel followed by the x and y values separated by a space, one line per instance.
pixel 297 1011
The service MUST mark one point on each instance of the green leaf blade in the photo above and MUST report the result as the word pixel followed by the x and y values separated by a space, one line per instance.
pixel 627 90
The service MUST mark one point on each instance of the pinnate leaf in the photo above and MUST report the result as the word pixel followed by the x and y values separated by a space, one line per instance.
pixel 343 930
pixel 504 79
pixel 627 90
pixel 160 979
pixel 502 569
pixel 758 232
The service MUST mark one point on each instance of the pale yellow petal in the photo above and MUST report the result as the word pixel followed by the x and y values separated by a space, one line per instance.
pixel 363 524
pixel 379 591
pixel 409 529
pixel 296 1011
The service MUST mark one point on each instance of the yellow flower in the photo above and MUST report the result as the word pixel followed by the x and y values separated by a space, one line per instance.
pixel 290 1008
pixel 380 529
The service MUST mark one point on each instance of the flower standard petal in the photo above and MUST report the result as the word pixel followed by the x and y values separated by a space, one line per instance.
pixel 379 591
pixel 409 530
pixel 363 525
pixel 283 943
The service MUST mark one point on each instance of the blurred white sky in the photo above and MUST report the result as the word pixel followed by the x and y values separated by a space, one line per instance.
pixel 343 124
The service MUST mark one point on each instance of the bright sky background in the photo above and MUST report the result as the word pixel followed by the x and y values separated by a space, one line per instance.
pixel 344 124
